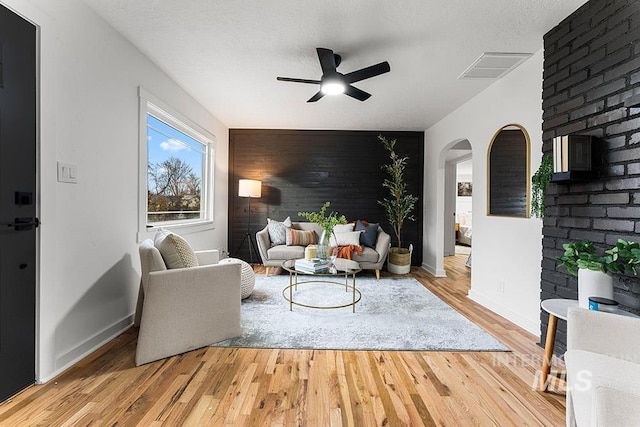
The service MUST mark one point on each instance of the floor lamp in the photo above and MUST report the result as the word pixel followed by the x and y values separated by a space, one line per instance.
pixel 251 189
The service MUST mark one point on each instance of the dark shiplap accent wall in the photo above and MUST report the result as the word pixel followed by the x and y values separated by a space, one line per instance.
pixel 591 65
pixel 301 169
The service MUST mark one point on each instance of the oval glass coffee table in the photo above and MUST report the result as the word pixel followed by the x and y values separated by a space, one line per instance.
pixel 344 277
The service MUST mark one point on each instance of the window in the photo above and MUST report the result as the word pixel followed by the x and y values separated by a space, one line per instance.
pixel 176 157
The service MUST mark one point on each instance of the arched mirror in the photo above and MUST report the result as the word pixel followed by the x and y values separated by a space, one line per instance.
pixel 508 173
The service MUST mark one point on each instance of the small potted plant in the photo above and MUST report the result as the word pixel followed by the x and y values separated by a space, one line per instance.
pixel 398 207
pixel 593 270
pixel 582 255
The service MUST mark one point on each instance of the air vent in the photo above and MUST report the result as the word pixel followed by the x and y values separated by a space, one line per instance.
pixel 494 65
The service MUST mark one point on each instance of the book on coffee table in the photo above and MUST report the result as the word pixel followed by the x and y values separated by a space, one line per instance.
pixel 313 265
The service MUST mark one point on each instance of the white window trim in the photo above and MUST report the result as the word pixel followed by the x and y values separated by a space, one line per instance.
pixel 148 103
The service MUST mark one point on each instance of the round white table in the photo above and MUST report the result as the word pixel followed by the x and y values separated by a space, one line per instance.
pixel 557 308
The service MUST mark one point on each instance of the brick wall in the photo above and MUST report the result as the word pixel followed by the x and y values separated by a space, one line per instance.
pixel 591 65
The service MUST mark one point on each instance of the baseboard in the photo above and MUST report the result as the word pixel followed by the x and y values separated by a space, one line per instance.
pixel 82 350
pixel 506 312
pixel 434 271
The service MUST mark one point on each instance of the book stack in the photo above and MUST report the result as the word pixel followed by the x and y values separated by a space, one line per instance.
pixel 313 265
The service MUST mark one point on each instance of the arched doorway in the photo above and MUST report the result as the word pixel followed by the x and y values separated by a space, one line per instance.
pixel 453 154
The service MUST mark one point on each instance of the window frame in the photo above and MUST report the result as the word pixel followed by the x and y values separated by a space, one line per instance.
pixel 150 104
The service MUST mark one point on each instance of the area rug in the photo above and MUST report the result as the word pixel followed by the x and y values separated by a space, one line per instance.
pixel 393 314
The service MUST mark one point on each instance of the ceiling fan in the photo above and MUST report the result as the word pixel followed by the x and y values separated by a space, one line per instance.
pixel 332 82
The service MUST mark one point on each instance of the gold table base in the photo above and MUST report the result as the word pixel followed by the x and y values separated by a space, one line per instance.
pixel 293 283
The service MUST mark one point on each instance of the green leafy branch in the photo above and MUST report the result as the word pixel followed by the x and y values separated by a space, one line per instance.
pixel 327 222
pixel 624 257
pixel 539 182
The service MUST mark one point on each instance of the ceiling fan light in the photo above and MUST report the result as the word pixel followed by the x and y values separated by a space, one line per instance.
pixel 332 87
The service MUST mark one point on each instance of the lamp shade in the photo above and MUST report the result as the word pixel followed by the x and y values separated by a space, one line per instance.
pixel 250 188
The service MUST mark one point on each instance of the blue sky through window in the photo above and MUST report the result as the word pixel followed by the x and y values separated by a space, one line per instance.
pixel 164 141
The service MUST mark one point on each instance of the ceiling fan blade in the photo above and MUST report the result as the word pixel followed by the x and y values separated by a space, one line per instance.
pixel 315 97
pixel 327 60
pixel 291 79
pixel 368 72
pixel 356 93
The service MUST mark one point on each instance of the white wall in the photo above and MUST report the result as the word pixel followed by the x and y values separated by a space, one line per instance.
pixel 89 266
pixel 506 251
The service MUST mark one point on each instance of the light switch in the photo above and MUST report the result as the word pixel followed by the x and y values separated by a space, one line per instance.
pixel 67 173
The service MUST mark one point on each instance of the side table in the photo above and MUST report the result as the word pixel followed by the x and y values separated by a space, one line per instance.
pixel 557 308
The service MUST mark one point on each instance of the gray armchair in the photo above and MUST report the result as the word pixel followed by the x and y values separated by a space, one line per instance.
pixel 184 309
pixel 603 369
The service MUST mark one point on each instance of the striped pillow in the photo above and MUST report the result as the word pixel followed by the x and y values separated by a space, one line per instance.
pixel 301 238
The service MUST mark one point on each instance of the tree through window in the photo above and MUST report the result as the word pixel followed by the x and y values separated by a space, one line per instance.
pixel 177 170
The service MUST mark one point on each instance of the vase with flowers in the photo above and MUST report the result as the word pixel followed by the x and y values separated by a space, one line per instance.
pixel 327 222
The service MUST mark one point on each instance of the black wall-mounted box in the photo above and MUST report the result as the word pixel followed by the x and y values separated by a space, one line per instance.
pixel 575 158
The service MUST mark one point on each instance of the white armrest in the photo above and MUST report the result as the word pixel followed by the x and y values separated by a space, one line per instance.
pixel 208 257
pixel 383 243
pixel 603 390
pixel 264 243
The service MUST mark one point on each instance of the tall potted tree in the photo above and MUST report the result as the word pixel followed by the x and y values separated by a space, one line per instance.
pixel 398 206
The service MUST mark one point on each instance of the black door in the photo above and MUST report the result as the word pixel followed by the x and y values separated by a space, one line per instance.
pixel 17 203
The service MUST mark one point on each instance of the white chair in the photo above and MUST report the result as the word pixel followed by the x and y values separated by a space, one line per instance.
pixel 603 369
pixel 183 309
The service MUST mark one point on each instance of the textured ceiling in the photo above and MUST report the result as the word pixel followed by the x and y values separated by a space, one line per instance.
pixel 227 53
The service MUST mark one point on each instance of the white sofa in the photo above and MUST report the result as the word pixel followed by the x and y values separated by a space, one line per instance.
pixel 603 369
pixel 274 256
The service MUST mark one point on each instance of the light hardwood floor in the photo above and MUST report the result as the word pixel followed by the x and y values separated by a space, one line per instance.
pixel 230 386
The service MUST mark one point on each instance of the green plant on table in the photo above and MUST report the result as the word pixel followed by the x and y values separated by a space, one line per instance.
pixel 327 222
pixel 583 254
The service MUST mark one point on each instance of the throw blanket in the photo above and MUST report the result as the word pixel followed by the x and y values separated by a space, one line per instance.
pixel 347 251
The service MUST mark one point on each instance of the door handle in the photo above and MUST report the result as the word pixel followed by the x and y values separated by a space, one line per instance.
pixel 25 224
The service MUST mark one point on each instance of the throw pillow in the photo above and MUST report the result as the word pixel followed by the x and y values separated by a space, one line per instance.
pixel 278 231
pixel 300 237
pixel 343 228
pixel 369 235
pixel 176 251
pixel 346 238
